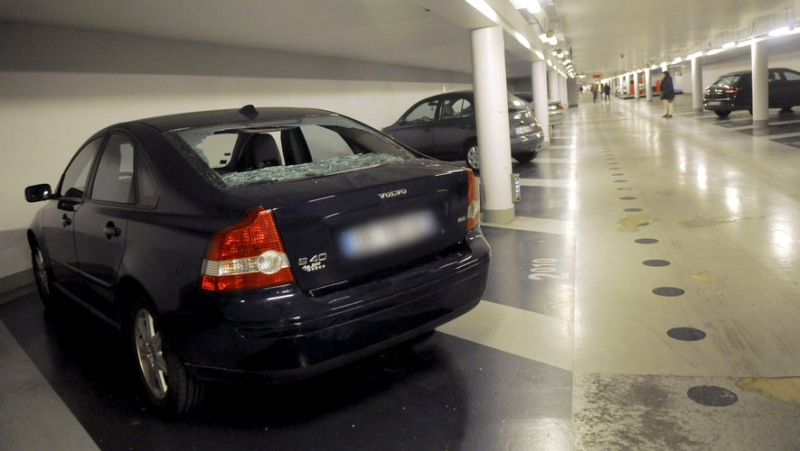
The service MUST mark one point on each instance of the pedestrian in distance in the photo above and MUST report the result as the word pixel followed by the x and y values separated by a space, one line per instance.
pixel 607 92
pixel 667 94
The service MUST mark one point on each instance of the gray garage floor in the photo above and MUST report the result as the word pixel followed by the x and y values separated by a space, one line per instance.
pixel 645 298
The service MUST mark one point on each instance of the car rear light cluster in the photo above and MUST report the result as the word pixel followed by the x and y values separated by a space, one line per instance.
pixel 474 201
pixel 247 255
pixel 732 90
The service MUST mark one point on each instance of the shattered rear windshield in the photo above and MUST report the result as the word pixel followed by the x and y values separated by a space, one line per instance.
pixel 285 149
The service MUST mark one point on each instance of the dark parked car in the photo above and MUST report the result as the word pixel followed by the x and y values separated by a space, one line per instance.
pixel 443 127
pixel 555 108
pixel 266 245
pixel 734 91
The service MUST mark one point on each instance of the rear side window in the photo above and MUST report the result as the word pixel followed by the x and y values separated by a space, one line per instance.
pixel 459 107
pixel 284 149
pixel 73 183
pixel 114 179
pixel 791 76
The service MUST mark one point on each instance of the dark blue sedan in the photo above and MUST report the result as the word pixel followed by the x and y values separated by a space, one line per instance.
pixel 256 244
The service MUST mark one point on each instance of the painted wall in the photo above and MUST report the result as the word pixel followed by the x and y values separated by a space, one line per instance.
pixel 58 86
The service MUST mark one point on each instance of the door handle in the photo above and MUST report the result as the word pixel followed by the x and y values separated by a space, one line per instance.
pixel 111 231
pixel 65 221
pixel 464 127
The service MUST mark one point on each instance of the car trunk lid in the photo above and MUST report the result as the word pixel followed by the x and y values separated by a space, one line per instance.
pixel 343 228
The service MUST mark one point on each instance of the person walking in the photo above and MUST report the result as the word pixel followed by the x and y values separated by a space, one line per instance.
pixel 594 92
pixel 607 92
pixel 667 94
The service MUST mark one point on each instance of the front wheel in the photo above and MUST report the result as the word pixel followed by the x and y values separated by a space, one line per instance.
pixel 722 113
pixel 43 276
pixel 167 382
pixel 471 155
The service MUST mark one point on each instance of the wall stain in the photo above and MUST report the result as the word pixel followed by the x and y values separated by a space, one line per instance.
pixel 783 389
pixel 631 223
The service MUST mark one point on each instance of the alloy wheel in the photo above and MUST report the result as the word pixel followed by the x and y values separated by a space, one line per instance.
pixel 150 353
pixel 40 271
pixel 472 158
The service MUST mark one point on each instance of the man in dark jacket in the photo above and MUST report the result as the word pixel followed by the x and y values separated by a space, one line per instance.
pixel 667 93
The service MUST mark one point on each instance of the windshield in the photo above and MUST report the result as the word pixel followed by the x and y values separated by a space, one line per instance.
pixel 285 149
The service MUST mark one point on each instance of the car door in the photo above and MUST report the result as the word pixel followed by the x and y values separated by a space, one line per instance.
pixel 416 128
pixel 101 226
pixel 789 93
pixel 776 88
pixel 455 127
pixel 60 216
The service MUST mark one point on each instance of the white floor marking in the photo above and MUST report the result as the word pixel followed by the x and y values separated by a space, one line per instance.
pixel 520 332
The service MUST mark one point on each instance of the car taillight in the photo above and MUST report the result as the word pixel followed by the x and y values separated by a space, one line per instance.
pixel 246 256
pixel 474 201
pixel 732 90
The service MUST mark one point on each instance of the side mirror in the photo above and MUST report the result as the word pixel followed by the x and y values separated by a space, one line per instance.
pixel 38 193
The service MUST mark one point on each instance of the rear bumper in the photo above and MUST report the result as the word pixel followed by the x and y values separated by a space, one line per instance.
pixel 721 105
pixel 527 144
pixel 297 342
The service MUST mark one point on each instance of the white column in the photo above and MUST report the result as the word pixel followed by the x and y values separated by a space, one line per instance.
pixel 572 93
pixel 563 91
pixel 760 82
pixel 539 80
pixel 636 85
pixel 491 114
pixel 697 84
pixel 648 88
pixel 552 84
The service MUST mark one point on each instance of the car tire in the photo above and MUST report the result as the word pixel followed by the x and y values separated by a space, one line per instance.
pixel 43 275
pixel 526 157
pixel 471 155
pixel 722 113
pixel 167 382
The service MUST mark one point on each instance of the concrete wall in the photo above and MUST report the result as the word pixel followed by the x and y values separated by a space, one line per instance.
pixel 58 86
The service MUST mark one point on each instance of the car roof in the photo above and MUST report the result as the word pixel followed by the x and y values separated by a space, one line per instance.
pixel 245 114
pixel 748 72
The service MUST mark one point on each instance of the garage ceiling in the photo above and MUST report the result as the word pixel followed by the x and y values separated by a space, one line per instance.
pixel 607 37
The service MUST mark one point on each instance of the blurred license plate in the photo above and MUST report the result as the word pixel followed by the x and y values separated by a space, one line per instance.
pixel 524 130
pixel 386 235
pixel 714 103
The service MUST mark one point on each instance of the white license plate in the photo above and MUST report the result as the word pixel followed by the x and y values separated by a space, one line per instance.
pixel 386 235
pixel 524 130
pixel 713 103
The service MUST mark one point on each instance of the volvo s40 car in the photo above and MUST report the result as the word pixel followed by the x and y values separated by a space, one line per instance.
pixel 443 127
pixel 258 245
pixel 734 91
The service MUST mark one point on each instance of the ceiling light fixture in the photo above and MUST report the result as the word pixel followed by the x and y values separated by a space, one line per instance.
pixel 715 51
pixel 695 55
pixel 522 40
pixel 729 45
pixel 539 54
pixel 532 6
pixel 783 31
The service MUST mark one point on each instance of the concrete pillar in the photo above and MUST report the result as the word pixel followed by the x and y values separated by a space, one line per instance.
pixel 697 84
pixel 760 82
pixel 539 91
pixel 491 114
pixel 648 85
pixel 572 93
pixel 552 84
pixel 636 85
